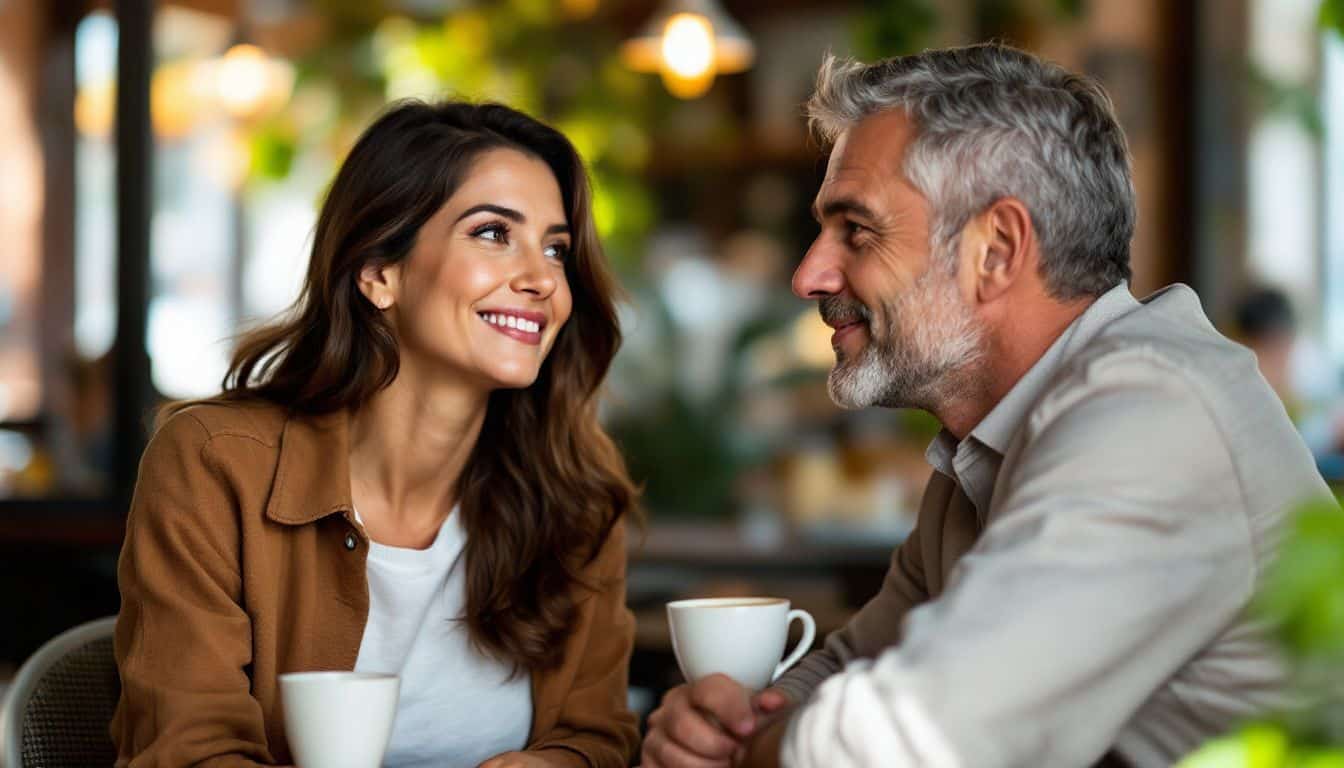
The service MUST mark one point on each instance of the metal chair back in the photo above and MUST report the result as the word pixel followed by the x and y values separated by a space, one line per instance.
pixel 57 711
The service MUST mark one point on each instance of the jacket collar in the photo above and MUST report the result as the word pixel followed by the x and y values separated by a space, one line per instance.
pixel 312 478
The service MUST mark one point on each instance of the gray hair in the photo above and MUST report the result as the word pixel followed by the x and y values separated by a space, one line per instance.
pixel 992 122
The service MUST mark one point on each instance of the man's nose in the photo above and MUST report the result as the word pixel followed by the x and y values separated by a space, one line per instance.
pixel 820 274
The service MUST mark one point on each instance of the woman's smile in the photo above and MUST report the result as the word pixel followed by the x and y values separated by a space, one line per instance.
pixel 520 325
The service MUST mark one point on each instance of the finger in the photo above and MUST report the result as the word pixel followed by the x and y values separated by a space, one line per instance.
pixel 693 732
pixel 672 701
pixel 727 700
pixel 662 752
pixel 771 700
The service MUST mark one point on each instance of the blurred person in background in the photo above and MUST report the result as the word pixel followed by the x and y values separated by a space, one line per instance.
pixel 1111 472
pixel 405 475
pixel 1264 321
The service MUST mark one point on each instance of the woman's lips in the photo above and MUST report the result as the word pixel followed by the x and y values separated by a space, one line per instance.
pixel 517 334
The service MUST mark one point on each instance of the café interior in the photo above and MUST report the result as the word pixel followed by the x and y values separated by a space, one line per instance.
pixel 164 160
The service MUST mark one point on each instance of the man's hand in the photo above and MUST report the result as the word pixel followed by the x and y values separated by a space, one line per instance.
pixel 773 708
pixel 770 701
pixel 515 760
pixel 706 724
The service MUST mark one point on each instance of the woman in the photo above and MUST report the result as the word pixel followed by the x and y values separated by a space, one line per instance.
pixel 405 475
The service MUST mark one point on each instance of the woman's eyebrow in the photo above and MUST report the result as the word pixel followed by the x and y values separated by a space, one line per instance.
pixel 508 213
pixel 511 214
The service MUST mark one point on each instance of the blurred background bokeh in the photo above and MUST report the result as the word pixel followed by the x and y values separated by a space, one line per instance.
pixel 162 163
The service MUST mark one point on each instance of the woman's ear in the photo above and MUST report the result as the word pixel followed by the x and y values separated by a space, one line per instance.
pixel 380 283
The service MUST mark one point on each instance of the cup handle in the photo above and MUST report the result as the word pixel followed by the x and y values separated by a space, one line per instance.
pixel 804 643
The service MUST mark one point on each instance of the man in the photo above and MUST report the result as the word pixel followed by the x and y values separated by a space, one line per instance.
pixel 1111 473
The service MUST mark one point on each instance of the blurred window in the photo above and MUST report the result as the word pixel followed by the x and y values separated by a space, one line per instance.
pixel 1283 180
pixel 1333 108
pixel 202 283
pixel 21 188
pixel 95 185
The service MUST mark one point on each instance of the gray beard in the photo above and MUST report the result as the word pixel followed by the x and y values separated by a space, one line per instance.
pixel 924 357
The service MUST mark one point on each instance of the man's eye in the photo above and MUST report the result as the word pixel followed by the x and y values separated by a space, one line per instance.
pixel 854 232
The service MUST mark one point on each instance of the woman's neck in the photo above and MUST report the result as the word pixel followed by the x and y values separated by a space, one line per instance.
pixel 408 446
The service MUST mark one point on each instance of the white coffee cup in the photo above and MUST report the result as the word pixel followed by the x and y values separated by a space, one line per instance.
pixel 338 719
pixel 741 637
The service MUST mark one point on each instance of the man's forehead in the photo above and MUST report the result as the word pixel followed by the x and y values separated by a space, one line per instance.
pixel 855 185
pixel 865 165
pixel 876 142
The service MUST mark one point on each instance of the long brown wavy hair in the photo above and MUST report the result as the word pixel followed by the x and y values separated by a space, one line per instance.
pixel 544 485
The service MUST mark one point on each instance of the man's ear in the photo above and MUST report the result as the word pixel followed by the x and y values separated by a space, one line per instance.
pixel 1005 249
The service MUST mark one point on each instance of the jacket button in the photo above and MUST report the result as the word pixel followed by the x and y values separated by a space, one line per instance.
pixel 351 542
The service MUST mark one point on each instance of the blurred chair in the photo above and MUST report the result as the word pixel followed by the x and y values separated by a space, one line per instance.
pixel 57 711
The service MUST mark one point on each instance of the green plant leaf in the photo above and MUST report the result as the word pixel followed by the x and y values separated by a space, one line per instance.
pixel 1331 16
pixel 1070 9
pixel 1303 593
pixel 272 154
pixel 893 27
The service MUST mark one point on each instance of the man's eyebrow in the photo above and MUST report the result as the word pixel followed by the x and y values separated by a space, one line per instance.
pixel 840 206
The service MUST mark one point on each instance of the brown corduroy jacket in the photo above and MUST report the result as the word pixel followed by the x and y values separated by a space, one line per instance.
pixel 242 561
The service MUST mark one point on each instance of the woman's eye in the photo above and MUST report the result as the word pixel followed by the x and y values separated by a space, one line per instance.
pixel 557 252
pixel 495 233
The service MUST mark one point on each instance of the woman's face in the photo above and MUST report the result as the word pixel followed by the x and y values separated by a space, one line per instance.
pixel 483 294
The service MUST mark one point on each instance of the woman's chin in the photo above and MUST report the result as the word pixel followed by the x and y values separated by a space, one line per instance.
pixel 512 379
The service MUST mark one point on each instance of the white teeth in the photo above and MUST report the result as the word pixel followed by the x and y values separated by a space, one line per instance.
pixel 507 321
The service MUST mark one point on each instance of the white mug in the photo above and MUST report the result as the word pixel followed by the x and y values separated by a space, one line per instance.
pixel 338 719
pixel 741 637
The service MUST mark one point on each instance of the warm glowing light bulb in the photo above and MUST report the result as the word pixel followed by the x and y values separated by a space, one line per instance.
pixel 688 45
pixel 244 80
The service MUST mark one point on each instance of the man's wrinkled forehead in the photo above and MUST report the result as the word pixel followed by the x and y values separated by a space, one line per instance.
pixel 866 160
pixel 875 143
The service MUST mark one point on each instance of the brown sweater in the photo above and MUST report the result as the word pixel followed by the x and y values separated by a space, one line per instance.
pixel 242 562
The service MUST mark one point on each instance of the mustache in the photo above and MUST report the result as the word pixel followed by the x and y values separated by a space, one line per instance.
pixel 839 310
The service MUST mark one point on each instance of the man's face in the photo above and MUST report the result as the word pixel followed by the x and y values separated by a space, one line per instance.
pixel 902 323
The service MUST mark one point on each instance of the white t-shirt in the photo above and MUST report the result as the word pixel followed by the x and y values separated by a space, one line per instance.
pixel 457 707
